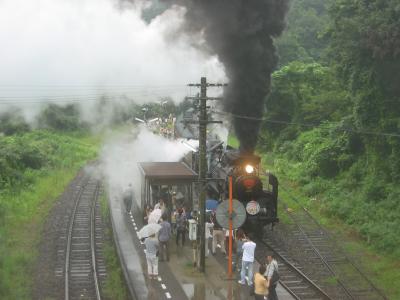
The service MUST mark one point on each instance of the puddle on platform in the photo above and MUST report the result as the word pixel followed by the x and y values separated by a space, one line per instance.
pixel 202 291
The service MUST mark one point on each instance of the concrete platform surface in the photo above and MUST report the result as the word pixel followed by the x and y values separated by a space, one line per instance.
pixel 177 279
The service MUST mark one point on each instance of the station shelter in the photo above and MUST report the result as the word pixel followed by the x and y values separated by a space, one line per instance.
pixel 171 181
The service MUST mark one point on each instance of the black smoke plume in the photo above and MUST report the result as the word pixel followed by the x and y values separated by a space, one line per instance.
pixel 240 32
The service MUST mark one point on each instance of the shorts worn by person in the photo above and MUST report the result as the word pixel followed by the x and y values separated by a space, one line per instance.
pixel 272 267
pixel 152 245
pixel 247 262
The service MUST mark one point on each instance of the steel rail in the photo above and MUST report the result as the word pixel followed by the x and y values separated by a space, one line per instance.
pixel 93 245
pixel 289 290
pixel 348 292
pixel 299 272
pixel 68 250
pixel 92 220
pixel 318 253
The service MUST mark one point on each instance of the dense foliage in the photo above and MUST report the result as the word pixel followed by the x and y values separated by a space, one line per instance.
pixel 333 116
pixel 34 169
pixel 304 38
pixel 12 122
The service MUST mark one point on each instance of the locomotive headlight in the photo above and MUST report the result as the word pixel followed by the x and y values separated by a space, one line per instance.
pixel 249 169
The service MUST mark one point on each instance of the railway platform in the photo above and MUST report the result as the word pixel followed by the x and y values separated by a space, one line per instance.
pixel 177 278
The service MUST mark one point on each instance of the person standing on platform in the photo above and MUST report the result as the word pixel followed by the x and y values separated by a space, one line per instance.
pixel 247 262
pixel 173 221
pixel 260 284
pixel 127 198
pixel 218 235
pixel 164 236
pixel 209 227
pixel 181 227
pixel 161 205
pixel 147 214
pixel 239 249
pixel 152 245
pixel 272 276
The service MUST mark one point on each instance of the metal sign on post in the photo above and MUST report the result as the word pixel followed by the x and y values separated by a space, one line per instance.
pixel 238 214
pixel 192 230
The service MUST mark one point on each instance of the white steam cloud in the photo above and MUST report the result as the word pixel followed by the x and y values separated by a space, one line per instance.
pixel 120 156
pixel 60 50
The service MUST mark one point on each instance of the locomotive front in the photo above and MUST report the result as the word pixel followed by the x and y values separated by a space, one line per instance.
pixel 260 202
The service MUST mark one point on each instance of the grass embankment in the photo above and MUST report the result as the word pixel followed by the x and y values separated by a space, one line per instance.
pixel 115 285
pixel 35 168
pixel 383 268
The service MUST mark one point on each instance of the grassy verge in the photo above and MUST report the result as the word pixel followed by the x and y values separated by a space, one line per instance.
pixel 383 269
pixel 26 206
pixel 115 287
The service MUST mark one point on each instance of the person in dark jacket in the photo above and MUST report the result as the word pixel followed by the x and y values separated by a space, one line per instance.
pixel 164 236
pixel 181 227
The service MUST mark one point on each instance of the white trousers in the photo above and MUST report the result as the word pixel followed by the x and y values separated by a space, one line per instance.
pixel 152 265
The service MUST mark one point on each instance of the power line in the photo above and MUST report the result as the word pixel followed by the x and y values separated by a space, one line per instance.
pixel 366 132
pixel 79 98
pixel 77 86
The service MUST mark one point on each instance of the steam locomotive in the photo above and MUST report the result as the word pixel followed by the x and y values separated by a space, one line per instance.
pixel 260 202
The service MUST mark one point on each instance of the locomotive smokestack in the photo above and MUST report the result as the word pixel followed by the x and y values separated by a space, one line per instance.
pixel 240 32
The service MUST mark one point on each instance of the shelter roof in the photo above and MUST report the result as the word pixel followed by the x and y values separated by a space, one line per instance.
pixel 167 170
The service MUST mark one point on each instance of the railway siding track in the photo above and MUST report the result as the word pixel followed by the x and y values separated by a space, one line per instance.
pixel 306 243
pixel 84 268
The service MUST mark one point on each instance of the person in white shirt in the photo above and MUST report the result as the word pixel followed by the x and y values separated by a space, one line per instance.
pixel 247 262
pixel 160 205
pixel 209 227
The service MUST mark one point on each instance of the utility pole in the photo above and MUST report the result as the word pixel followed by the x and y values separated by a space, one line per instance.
pixel 203 121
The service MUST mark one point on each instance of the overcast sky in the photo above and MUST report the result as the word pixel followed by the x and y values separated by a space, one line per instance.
pixel 71 46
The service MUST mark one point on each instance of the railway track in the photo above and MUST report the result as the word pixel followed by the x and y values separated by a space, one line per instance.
pixel 305 243
pixel 291 276
pixel 84 268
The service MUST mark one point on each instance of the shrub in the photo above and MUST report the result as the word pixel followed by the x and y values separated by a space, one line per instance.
pixel 12 122
pixel 60 118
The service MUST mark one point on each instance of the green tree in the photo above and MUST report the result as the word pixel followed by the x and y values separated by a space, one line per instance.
pixel 64 118
pixel 303 40
pixel 303 93
pixel 12 122
pixel 365 46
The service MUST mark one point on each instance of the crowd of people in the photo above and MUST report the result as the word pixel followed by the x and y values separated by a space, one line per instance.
pixel 263 282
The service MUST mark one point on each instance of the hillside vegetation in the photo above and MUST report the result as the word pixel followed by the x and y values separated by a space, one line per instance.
pixel 35 167
pixel 333 116
pixel 332 125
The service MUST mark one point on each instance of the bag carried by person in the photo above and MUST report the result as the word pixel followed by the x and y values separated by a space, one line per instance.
pixel 275 277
